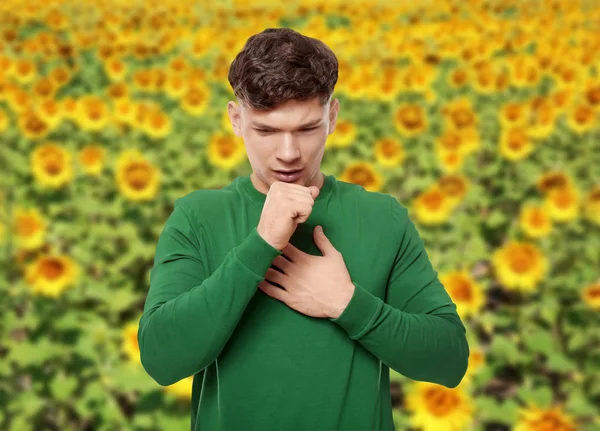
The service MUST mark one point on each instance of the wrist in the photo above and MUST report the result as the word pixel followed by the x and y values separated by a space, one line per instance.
pixel 341 306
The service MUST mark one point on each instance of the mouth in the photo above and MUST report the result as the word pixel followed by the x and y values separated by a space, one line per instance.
pixel 288 175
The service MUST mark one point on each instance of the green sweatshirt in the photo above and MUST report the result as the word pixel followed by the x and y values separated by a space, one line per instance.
pixel 259 364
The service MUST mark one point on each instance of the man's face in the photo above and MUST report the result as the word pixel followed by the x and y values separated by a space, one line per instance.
pixel 291 136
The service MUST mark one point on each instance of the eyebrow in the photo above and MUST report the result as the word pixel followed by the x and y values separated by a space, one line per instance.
pixel 302 126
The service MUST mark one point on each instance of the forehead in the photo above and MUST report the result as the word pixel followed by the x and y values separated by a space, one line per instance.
pixel 291 113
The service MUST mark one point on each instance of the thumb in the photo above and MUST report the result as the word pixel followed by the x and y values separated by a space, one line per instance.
pixel 314 191
pixel 322 241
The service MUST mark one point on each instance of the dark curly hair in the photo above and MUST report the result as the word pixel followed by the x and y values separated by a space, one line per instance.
pixel 280 64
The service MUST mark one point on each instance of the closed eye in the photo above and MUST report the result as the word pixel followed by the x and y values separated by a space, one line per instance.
pixel 266 132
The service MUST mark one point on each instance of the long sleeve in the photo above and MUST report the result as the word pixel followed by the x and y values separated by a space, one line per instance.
pixel 188 315
pixel 416 330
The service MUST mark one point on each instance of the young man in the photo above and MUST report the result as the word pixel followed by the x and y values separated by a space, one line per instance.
pixel 283 325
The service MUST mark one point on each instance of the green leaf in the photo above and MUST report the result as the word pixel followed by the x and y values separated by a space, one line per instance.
pixel 539 341
pixel 577 340
pixel 491 410
pixel 504 348
pixel 561 363
pixel 579 404
pixel 62 387
pixel 541 397
pixel 549 309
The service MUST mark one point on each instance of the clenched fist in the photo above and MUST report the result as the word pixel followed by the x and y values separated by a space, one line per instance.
pixel 286 205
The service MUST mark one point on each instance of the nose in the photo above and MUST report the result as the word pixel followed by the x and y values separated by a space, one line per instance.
pixel 288 149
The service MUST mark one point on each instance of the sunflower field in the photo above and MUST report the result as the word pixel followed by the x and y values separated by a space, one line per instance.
pixel 480 116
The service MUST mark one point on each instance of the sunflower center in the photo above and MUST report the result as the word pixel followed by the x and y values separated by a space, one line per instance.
pixel 27 226
pixel 51 268
pixel 433 200
pixel 440 402
pixel 462 290
pixel 521 259
pixel 361 176
pixel 137 175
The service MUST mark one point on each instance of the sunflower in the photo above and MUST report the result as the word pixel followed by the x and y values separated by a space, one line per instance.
pixel 226 150
pixel 551 180
pixel 515 144
pixel 524 71
pixel 459 114
pixel 124 112
pixel 91 158
pixel 533 418
pixel 178 65
pixel 476 362
pixel 158 77
pixel 436 407
pixel 592 92
pixel 92 113
pixel 389 152
pixel 203 41
pixel 182 389
pixel 344 134
pixel 30 228
pixel 51 112
pixel 115 69
pixel 70 107
pixel 455 187
pixel 24 71
pixel 581 117
pixel 542 118
pixel 459 77
pixel 32 126
pixel 432 206
pixel 3 120
pixel 409 119
pixel 563 203
pixel 50 275
pixel 519 265
pixel 562 98
pixel 465 292
pixel 60 76
pixel 157 124
pixel 591 295
pixel 176 86
pixel 137 178
pixel 129 342
pixel 195 99
pixel 535 220
pixel 142 80
pixel 117 91
pixel 44 88
pixel 364 174
pixel 51 165
pixel 591 205
pixel 514 114
pixel 19 100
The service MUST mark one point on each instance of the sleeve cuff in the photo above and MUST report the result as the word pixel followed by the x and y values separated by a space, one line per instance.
pixel 256 253
pixel 360 313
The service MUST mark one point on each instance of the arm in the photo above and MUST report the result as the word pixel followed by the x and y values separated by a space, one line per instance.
pixel 189 316
pixel 416 331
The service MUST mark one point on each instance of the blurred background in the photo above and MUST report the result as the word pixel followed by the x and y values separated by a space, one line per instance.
pixel 482 117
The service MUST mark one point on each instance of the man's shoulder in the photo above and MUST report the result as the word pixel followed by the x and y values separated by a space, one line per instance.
pixel 375 200
pixel 201 201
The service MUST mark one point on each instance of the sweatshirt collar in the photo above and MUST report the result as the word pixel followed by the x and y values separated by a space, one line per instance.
pixel 259 198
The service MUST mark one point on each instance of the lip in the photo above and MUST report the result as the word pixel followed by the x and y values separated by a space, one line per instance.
pixel 288 176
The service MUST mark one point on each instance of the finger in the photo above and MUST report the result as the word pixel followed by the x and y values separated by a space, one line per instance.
pixel 273 291
pixel 292 252
pixel 274 276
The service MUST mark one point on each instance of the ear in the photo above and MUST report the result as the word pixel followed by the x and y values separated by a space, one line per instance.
pixel 334 107
pixel 233 110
